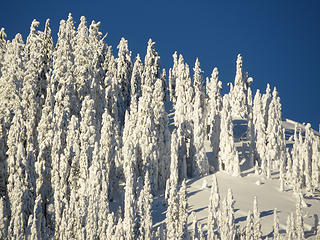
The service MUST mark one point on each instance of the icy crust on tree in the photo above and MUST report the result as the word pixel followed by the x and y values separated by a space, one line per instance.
pixel 95 144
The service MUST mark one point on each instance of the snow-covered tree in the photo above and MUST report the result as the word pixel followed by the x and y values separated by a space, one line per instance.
pixel 228 156
pixel 315 163
pixel 151 123
pixel 239 92
pixel 265 101
pixel 135 83
pixel 296 156
pixel 87 143
pixel 174 163
pixel 4 216
pixel 98 50
pixel 148 137
pixel 200 164
pixel 37 59
pixel 124 71
pixel 145 200
pixel 276 234
pixel 64 104
pixel 10 86
pixel 307 158
pixel 3 47
pixel 275 146
pixel 36 75
pixel 256 216
pixel 299 218
pixel 230 210
pixel 172 78
pixel 82 68
pixel 98 204
pixel 260 132
pixel 109 147
pixel 43 127
pixel 172 215
pixel 130 202
pixel 67 182
pixel 249 231
pixel 38 229
pixel 226 218
pixel 290 228
pixel 214 105
pixel 162 133
pixel 183 117
pixel 151 65
pixel 214 204
pixel 183 214
pixel 21 178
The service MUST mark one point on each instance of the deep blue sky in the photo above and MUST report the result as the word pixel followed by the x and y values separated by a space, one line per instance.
pixel 279 40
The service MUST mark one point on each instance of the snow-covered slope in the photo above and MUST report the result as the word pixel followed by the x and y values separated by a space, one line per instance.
pixel 244 190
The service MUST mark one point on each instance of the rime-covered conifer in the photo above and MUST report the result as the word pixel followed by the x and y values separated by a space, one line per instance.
pixel 67 182
pixel 82 69
pixel 200 164
pixel 315 163
pixel 3 47
pixel 147 137
pixel 226 218
pixel 239 92
pixel 98 50
pixel 151 65
pixel 260 132
pixel 10 86
pixel 108 154
pixel 162 133
pixel 275 146
pixel 36 76
pixel 173 78
pixel 183 117
pixel 172 215
pixel 145 203
pixel 249 231
pixel 87 142
pixel 214 105
pixel 20 180
pixel 124 71
pixel 183 214
pixel 214 204
pixel 130 202
pixel 299 218
pixel 256 216
pixel 290 228
pixel 228 157
pixel 276 234
pixel 135 83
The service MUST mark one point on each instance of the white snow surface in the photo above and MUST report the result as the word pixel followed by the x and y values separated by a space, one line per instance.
pixel 244 189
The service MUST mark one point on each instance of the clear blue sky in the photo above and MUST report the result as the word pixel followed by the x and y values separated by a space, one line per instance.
pixel 279 40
